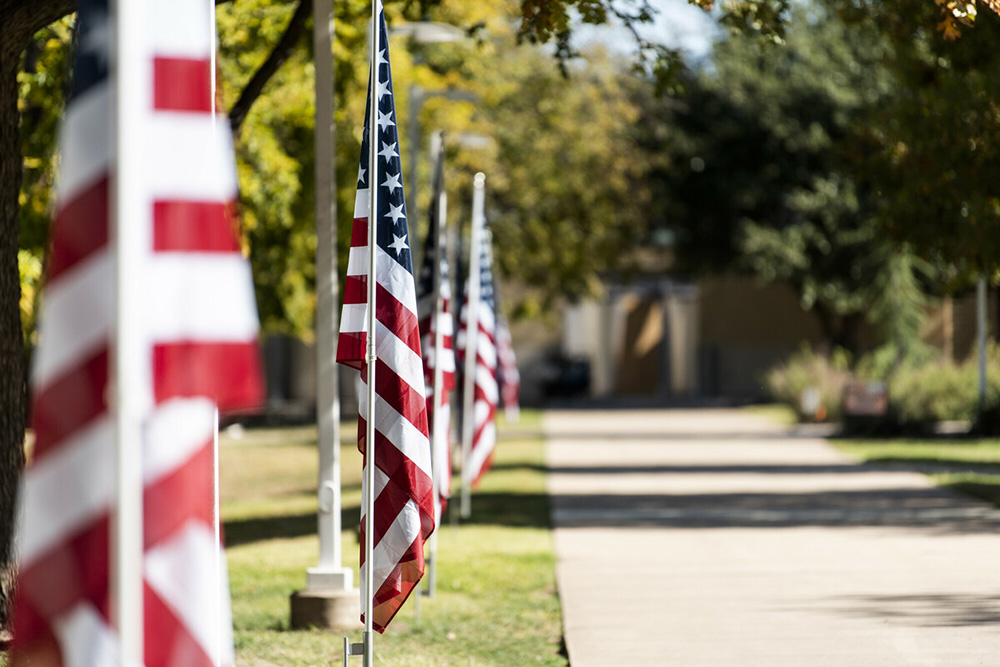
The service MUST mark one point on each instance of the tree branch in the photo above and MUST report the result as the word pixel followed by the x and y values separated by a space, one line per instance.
pixel 282 50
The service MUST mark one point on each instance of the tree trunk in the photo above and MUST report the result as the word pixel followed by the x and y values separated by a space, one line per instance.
pixel 19 19
pixel 12 390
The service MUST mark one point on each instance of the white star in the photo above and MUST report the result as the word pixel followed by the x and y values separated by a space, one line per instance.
pixel 392 182
pixel 383 89
pixel 382 59
pixel 396 212
pixel 388 151
pixel 361 174
pixel 399 245
pixel 384 120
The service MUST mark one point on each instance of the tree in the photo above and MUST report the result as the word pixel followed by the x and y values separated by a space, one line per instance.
pixel 762 172
pixel 19 20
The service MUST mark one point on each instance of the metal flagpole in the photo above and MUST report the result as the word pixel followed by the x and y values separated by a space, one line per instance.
pixel 472 337
pixel 440 433
pixel 129 220
pixel 369 500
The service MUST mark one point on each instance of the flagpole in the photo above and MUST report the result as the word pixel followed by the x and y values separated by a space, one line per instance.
pixel 130 81
pixel 472 337
pixel 437 465
pixel 369 590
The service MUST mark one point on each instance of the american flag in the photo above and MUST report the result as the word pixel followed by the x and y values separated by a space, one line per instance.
pixel 199 327
pixel 486 391
pixel 433 320
pixel 508 377
pixel 404 498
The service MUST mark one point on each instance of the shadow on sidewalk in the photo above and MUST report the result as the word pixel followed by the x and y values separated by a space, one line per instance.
pixel 936 510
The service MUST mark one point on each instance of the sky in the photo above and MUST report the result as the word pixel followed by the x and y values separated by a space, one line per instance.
pixel 678 24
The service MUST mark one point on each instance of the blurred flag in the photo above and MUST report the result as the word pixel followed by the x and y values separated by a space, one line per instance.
pixel 508 376
pixel 485 388
pixel 434 317
pixel 199 331
pixel 404 498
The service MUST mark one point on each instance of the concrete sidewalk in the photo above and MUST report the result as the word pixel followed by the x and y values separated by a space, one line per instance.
pixel 711 537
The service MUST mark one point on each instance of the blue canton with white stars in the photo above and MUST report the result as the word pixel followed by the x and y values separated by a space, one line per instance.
pixel 391 230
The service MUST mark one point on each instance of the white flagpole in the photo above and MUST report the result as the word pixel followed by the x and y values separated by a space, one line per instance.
pixel 472 337
pixel 128 222
pixel 369 499
pixel 440 434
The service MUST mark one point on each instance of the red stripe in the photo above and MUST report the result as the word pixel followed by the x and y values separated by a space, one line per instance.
pixel 80 228
pixel 228 373
pixel 391 596
pixel 75 570
pixel 167 641
pixel 195 226
pixel 397 318
pixel 359 232
pixel 351 349
pixel 356 289
pixel 70 402
pixel 402 472
pixel 182 84
pixel 182 495
pixel 403 398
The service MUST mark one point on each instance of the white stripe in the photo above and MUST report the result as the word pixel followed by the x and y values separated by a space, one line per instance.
pixel 182 571
pixel 403 435
pixel 85 639
pixel 398 356
pixel 480 452
pixel 200 296
pixel 396 280
pixel 487 381
pixel 85 142
pixel 76 318
pixel 189 158
pixel 354 319
pixel 486 318
pixel 362 203
pixel 486 351
pixel 56 499
pixel 177 430
pixel 180 29
pixel 357 261
pixel 397 539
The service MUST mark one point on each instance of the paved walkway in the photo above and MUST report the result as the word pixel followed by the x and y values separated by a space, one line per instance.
pixel 712 538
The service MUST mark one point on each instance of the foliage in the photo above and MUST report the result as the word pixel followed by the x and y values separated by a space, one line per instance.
pixel 810 383
pixel 758 171
pixel 934 142
pixel 42 83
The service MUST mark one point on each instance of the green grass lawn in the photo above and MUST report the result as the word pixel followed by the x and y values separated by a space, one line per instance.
pixel 496 601
pixel 968 466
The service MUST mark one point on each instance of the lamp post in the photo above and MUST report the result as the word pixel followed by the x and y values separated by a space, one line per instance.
pixel 329 599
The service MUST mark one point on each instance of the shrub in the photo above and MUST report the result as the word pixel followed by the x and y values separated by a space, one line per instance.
pixel 809 371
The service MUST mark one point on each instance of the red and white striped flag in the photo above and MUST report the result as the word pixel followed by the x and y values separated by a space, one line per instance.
pixel 404 498
pixel 198 327
pixel 485 388
pixel 432 321
pixel 508 377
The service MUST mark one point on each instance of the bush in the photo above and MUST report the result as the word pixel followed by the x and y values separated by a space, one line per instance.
pixel 922 390
pixel 810 372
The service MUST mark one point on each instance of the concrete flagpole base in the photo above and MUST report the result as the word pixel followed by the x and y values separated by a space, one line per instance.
pixel 328 601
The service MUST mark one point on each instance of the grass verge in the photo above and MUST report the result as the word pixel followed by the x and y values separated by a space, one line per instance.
pixel 496 602
pixel 971 467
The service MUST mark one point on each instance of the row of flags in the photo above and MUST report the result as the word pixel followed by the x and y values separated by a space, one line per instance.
pixel 197 355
